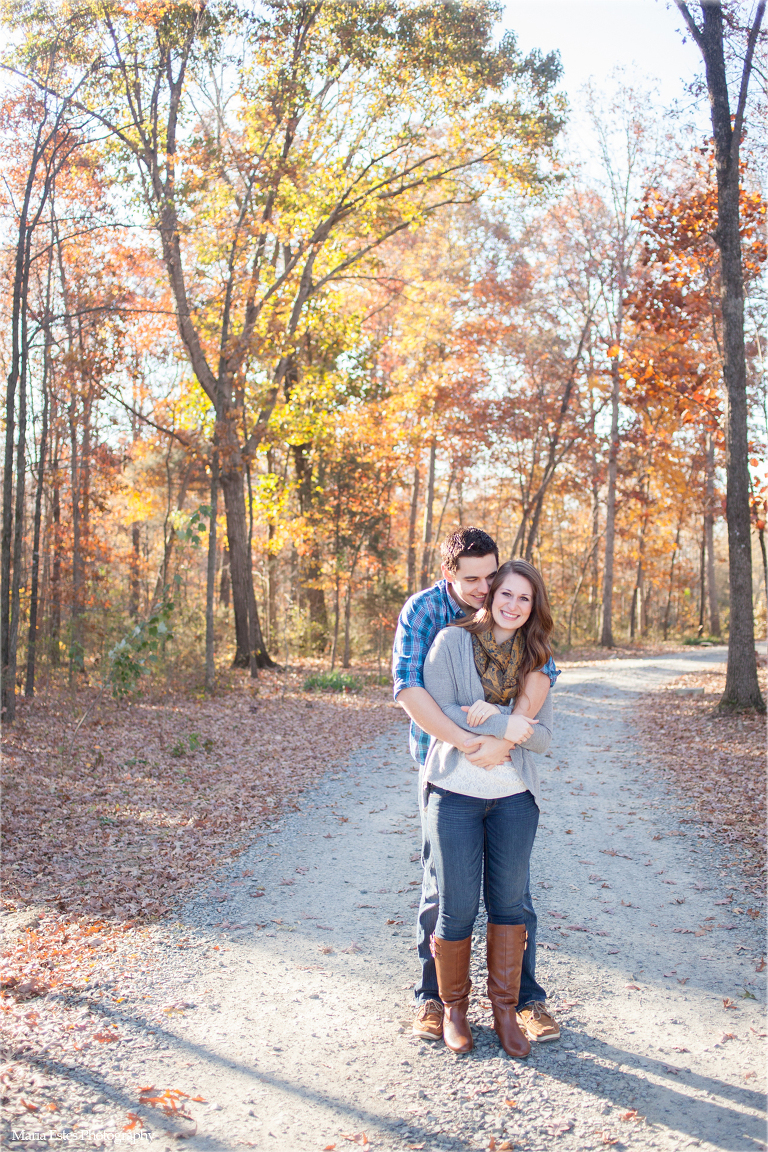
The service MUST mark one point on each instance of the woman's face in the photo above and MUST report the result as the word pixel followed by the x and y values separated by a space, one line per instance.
pixel 512 602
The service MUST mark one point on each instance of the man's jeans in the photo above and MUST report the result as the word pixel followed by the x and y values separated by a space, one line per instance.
pixel 429 908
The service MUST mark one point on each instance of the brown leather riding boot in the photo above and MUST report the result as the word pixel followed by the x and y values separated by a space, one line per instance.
pixel 506 945
pixel 452 964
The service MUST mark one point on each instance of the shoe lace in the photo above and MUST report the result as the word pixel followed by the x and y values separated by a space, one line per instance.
pixel 537 1009
pixel 429 1007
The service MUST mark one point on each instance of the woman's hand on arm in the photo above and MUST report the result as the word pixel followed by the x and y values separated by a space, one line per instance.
pixel 519 728
pixel 479 711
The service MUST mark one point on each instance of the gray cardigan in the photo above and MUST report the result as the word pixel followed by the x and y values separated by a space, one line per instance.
pixel 451 678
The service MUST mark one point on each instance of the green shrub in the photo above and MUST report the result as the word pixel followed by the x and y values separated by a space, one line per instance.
pixel 332 682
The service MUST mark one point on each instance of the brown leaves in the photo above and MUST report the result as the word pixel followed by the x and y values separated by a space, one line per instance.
pixel 357 1138
pixel 716 761
pixel 153 823
pixel 728 1003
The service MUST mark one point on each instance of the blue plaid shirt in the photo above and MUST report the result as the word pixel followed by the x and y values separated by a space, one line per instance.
pixel 423 616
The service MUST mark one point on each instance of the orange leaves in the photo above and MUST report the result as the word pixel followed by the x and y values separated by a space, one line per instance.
pixel 728 1003
pixel 356 1138
pixel 168 1101
pixel 133 1122
pixel 106 1037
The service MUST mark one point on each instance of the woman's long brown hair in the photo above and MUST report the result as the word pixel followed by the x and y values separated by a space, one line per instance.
pixel 537 628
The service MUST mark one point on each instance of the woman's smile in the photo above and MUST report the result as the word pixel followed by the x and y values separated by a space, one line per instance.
pixel 512 605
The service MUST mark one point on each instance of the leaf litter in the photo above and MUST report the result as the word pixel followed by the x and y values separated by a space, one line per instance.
pixel 104 833
pixel 715 761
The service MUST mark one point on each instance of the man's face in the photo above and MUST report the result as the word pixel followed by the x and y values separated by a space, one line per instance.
pixel 471 580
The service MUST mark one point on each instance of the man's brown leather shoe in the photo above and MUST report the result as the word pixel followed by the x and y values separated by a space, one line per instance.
pixel 452 964
pixel 506 946
pixel 538 1025
pixel 428 1024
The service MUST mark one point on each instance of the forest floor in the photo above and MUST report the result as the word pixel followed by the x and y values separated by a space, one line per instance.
pixel 208 938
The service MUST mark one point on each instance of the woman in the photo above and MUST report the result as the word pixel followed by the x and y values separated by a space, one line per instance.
pixel 483 672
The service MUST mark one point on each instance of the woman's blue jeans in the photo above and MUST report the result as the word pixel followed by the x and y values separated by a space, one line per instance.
pixel 473 839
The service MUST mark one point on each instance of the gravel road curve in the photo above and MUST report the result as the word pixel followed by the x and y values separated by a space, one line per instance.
pixel 281 994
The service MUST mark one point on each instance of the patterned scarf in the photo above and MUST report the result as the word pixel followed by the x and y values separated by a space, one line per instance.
pixel 497 665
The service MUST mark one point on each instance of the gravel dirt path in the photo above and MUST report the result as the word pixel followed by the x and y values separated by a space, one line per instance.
pixel 281 995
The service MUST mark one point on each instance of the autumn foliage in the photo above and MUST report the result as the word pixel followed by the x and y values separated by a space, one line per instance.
pixel 345 291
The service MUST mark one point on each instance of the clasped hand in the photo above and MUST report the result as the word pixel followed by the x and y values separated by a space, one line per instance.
pixel 490 751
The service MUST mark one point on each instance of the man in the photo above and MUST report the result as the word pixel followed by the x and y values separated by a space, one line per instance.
pixel 470 559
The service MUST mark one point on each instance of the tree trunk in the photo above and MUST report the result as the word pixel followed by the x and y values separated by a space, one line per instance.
pixel 742 690
pixel 311 567
pixel 254 631
pixel 702 580
pixel 606 635
pixel 336 605
pixel 224 580
pixel 55 618
pixel 76 651
pixel 636 606
pixel 668 608
pixel 429 499
pixel 348 609
pixel 133 601
pixel 210 582
pixel 709 526
pixel 594 591
pixel 243 596
pixel 18 528
pixel 29 688
pixel 411 574
pixel 761 538
pixel 272 640
pixel 439 530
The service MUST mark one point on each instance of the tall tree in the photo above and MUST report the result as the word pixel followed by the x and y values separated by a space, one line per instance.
pixel 346 123
pixel 742 690
pixel 49 142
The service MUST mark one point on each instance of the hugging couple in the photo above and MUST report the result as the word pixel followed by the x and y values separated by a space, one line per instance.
pixel 473 669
